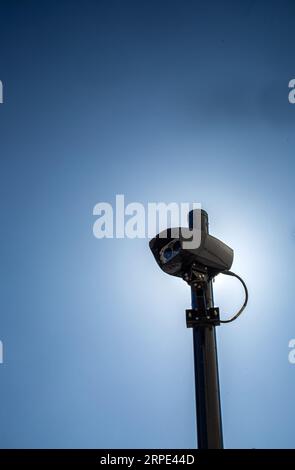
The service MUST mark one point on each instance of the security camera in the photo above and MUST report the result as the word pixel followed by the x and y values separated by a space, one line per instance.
pixel 176 254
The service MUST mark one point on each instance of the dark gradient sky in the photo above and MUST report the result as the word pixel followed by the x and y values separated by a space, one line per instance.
pixel 160 101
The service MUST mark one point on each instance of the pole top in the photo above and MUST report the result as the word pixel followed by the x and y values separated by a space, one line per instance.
pixel 193 214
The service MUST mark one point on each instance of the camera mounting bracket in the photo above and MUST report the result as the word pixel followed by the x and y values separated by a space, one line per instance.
pixel 198 317
pixel 201 316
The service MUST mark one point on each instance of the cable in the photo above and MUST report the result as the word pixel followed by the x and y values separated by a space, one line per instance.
pixel 230 273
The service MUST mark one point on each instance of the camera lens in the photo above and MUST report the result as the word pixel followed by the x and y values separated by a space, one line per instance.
pixel 167 254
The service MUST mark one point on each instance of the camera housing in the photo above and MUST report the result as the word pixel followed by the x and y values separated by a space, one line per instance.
pixel 175 257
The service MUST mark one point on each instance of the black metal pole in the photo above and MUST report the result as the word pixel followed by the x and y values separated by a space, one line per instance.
pixel 208 409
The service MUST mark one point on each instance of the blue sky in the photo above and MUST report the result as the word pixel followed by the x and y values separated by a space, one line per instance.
pixel 159 101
